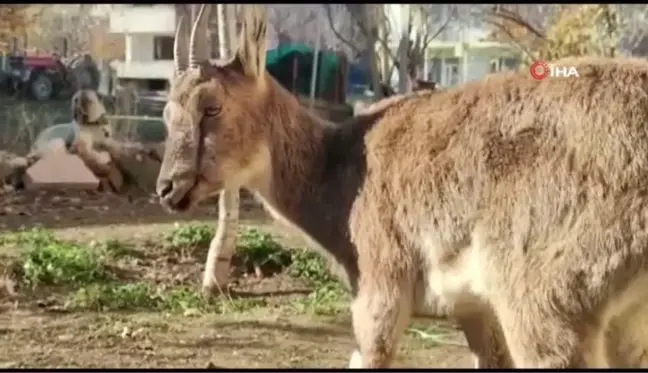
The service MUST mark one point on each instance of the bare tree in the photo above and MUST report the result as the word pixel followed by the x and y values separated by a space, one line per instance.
pixel 412 32
pixel 343 27
pixel 293 23
pixel 634 29
pixel 355 26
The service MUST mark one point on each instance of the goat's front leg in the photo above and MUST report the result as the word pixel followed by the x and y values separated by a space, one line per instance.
pixel 223 245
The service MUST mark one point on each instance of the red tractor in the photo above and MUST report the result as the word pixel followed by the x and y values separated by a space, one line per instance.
pixel 46 77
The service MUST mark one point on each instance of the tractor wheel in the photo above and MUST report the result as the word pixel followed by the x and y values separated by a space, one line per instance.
pixel 40 86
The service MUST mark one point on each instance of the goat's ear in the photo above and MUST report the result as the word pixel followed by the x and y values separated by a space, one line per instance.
pixel 251 52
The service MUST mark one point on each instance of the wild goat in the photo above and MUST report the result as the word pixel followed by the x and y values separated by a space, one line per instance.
pixel 520 204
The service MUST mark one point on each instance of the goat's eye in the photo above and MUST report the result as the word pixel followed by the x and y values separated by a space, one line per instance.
pixel 212 111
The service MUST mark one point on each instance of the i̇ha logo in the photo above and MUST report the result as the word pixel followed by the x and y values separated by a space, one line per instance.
pixel 540 70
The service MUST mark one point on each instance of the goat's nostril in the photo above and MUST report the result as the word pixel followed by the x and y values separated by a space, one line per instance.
pixel 167 187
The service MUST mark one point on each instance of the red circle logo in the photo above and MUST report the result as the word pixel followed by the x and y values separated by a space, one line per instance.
pixel 539 70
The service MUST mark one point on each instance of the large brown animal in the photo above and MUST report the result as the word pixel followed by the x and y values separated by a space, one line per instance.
pixel 520 204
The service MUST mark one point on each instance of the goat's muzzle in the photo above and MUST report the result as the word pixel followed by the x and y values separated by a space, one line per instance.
pixel 175 195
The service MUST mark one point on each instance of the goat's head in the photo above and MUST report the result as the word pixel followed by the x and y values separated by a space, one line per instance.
pixel 215 114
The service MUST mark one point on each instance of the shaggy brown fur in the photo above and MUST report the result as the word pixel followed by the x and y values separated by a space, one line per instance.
pixel 522 205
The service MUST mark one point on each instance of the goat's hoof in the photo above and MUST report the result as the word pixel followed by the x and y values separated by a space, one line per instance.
pixel 213 289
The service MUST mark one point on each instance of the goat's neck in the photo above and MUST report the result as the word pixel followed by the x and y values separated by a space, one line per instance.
pixel 312 182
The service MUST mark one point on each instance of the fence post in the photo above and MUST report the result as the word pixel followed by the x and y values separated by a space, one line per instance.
pixel 314 75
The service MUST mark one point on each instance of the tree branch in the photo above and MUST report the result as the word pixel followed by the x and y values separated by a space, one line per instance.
pixel 513 40
pixel 427 39
pixel 515 18
pixel 329 18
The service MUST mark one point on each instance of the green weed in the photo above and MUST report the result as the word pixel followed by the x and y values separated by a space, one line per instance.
pixel 260 249
pixel 49 261
pixel 311 267
pixel 329 296
pixel 190 236
pixel 257 249
pixel 143 296
pixel 107 297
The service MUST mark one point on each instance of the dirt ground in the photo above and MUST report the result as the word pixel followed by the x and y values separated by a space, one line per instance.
pixel 37 332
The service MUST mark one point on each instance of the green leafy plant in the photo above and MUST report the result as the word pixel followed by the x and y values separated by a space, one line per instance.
pixel 260 249
pixel 49 261
pixel 190 236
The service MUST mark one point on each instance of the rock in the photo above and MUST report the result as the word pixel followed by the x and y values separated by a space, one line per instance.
pixel 12 167
pixel 60 170
pixel 126 332
pixel 65 337
pixel 53 145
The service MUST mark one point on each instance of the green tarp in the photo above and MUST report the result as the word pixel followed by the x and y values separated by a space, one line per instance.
pixel 279 63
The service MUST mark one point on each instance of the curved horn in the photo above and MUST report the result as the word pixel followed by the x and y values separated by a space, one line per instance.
pixel 198 42
pixel 180 48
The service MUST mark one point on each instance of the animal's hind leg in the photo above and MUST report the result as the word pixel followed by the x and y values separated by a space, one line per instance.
pixel 380 316
pixel 538 337
pixel 381 312
pixel 485 338
pixel 625 342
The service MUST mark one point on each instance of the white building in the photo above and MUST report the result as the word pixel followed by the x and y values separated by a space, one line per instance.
pixel 459 53
pixel 463 55
pixel 149 31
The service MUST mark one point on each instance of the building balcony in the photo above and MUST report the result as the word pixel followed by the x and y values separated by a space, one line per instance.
pixel 160 69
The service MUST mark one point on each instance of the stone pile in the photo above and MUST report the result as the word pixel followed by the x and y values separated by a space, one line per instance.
pixel 104 164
